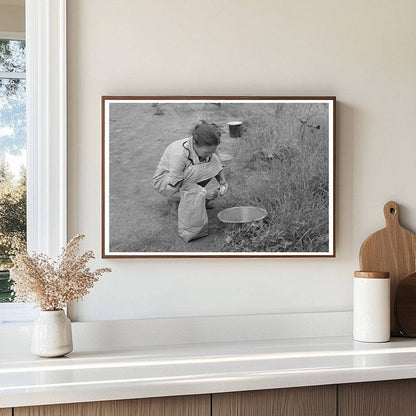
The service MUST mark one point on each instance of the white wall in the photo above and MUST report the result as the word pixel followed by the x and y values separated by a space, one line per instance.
pixel 361 51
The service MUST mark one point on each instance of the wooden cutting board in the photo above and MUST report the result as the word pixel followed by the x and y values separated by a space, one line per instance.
pixel 405 306
pixel 393 250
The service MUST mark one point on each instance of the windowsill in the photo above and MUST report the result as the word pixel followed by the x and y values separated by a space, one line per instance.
pixel 16 313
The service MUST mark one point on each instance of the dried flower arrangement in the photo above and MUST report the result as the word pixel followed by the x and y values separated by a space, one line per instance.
pixel 53 285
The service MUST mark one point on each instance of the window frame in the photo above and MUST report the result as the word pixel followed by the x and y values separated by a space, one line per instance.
pixel 46 137
pixel 12 35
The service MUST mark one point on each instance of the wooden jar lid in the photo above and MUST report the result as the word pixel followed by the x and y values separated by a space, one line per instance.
pixel 372 275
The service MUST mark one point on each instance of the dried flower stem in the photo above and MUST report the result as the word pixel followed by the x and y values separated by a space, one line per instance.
pixel 53 285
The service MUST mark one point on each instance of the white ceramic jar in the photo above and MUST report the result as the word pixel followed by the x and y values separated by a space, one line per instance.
pixel 371 307
pixel 52 334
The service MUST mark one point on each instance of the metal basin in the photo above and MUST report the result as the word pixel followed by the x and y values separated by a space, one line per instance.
pixel 241 215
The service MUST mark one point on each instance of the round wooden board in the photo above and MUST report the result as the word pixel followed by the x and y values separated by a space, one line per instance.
pixel 405 306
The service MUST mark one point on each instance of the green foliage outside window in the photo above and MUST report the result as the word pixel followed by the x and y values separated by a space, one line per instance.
pixel 12 223
pixel 12 145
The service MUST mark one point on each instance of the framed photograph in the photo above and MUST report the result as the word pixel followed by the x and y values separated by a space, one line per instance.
pixel 218 176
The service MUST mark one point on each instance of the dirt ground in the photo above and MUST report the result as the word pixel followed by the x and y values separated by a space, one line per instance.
pixel 140 219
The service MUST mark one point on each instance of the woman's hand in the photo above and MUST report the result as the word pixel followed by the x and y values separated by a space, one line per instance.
pixel 211 194
pixel 223 188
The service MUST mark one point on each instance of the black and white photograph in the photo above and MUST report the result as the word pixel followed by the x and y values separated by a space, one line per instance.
pixel 218 176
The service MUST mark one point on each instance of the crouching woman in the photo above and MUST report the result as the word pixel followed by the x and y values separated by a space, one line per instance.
pixel 190 161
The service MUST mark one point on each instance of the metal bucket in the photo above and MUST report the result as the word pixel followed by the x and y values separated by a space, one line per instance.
pixel 242 215
pixel 235 128
pixel 226 161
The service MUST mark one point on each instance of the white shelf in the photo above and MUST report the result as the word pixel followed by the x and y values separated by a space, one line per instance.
pixel 150 371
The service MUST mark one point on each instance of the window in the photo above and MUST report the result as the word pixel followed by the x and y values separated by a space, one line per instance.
pixel 12 153
pixel 45 27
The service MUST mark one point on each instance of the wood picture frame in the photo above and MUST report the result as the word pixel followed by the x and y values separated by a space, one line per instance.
pixel 277 154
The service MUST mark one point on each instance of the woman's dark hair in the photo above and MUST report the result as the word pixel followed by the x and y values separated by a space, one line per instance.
pixel 206 135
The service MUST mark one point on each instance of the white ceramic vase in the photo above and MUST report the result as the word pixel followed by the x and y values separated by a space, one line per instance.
pixel 52 334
